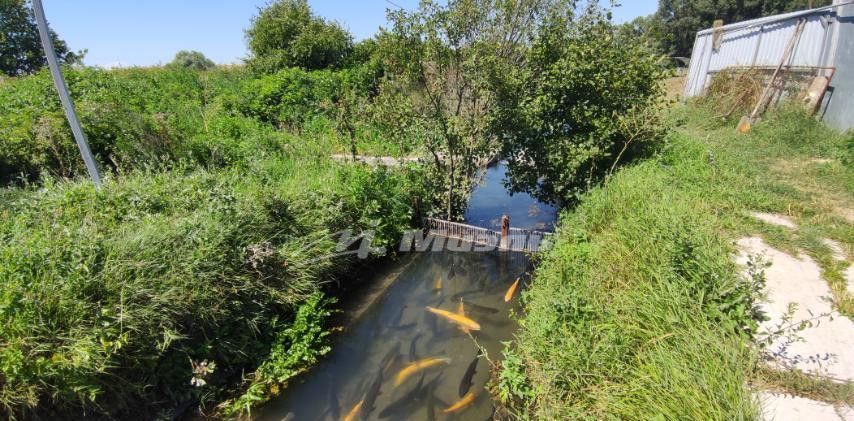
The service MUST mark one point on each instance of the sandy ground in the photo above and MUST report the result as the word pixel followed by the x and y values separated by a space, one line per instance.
pixel 827 347
pixel 778 407
pixel 794 287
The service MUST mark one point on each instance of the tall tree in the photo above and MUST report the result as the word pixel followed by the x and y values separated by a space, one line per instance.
pixel 20 47
pixel 585 101
pixel 438 59
pixel 194 60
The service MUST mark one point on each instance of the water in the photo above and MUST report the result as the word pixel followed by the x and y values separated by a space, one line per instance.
pixel 397 329
pixel 490 201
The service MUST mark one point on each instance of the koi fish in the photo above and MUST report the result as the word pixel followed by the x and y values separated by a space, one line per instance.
pixel 407 400
pixel 461 311
pixel 460 404
pixel 481 309
pixel 371 396
pixel 512 291
pixel 417 366
pixel 437 283
pixel 465 383
pixel 351 416
pixel 412 347
pixel 390 358
pixel 455 318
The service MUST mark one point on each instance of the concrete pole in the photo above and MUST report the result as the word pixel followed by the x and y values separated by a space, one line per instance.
pixel 62 88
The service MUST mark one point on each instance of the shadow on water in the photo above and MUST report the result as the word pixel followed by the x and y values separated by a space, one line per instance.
pixel 399 360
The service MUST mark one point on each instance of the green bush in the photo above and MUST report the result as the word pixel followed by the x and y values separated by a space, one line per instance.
pixel 135 118
pixel 108 295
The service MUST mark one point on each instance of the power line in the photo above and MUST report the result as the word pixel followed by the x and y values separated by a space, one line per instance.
pixel 395 4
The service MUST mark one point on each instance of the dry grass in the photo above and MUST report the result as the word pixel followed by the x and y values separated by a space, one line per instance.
pixel 673 87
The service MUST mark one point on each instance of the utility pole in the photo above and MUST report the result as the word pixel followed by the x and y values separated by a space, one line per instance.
pixel 62 88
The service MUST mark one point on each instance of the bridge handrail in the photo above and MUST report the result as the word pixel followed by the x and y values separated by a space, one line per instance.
pixel 518 239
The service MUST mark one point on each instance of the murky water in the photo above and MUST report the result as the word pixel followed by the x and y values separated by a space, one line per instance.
pixel 402 361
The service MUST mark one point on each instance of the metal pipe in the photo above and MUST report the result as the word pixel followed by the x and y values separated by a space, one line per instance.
pixel 64 97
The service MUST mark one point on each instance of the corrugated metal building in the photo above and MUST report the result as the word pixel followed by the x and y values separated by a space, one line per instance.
pixel 824 47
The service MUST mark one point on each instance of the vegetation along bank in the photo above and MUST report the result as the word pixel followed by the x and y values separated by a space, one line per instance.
pixel 639 309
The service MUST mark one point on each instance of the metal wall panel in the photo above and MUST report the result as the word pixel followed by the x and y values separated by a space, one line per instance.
pixel 761 42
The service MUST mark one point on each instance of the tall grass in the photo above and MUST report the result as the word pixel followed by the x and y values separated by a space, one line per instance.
pixel 109 295
pixel 638 312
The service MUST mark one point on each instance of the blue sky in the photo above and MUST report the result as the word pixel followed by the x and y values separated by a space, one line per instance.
pixel 140 33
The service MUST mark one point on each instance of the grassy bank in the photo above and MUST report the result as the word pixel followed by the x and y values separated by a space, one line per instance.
pixel 638 311
pixel 111 298
pixel 197 262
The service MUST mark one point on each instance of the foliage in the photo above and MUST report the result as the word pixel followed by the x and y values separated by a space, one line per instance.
pixel 603 331
pixel 639 293
pixel 20 46
pixel 586 101
pixel 296 348
pixel 287 34
pixel 192 60
pixel 154 269
pixel 437 59
pixel 133 118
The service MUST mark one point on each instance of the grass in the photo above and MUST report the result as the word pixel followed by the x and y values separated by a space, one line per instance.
pixel 112 298
pixel 638 311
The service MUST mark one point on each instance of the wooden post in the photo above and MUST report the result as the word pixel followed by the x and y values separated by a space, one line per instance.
pixel 505 231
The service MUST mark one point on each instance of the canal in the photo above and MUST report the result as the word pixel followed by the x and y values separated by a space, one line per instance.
pixel 415 352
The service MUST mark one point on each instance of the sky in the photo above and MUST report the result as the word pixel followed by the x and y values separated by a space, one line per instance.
pixel 141 33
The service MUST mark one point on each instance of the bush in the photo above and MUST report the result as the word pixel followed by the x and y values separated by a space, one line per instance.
pixel 135 118
pixel 287 34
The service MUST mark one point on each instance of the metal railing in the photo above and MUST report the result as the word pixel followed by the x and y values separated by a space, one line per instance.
pixel 472 234
pixel 517 239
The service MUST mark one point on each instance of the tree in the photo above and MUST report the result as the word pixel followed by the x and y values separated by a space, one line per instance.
pixel 287 34
pixel 20 47
pixel 192 60
pixel 438 60
pixel 585 100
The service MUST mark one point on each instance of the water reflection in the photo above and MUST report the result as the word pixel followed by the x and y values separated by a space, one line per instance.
pixel 491 200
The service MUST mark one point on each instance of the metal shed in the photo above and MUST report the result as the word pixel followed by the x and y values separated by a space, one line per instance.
pixel 825 45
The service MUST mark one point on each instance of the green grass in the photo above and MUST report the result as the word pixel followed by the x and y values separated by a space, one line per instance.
pixel 108 295
pixel 638 311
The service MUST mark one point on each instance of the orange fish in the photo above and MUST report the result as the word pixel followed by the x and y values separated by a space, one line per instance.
pixel 437 283
pixel 455 318
pixel 460 404
pixel 461 311
pixel 417 366
pixel 512 291
pixel 354 412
